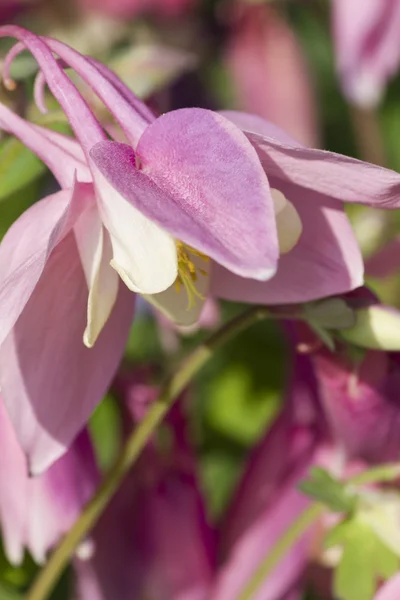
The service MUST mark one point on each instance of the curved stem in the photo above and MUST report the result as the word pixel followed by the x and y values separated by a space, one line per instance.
pixel 50 574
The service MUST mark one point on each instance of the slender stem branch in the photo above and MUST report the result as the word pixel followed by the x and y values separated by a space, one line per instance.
pixel 50 574
pixel 283 545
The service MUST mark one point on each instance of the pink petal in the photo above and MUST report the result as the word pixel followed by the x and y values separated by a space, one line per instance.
pixel 207 188
pixel 339 177
pixel 27 246
pixel 326 260
pixel 390 590
pixel 50 381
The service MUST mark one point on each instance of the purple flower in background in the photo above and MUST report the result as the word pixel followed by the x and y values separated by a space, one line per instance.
pixel 130 8
pixel 268 502
pixel 153 540
pixel 360 400
pixel 36 511
pixel 366 36
pixel 270 73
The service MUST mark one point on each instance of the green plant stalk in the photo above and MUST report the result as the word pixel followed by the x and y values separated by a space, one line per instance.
pixel 380 474
pixel 59 559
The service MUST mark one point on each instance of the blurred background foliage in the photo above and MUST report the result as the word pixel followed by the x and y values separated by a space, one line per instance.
pixel 172 64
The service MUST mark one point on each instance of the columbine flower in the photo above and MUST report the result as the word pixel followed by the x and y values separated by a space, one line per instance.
pixel 367 49
pixel 270 72
pixel 90 221
pixel 36 511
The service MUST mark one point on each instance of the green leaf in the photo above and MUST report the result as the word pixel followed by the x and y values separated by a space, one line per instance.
pixel 324 488
pixel 365 559
pixel 18 167
pixel 324 335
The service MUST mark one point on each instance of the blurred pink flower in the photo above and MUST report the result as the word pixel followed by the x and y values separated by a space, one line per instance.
pixel 153 540
pixel 130 8
pixel 366 35
pixel 270 72
pixel 36 511
pixel 360 400
pixel 267 501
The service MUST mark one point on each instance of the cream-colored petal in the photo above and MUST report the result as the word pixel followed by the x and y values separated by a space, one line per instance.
pixel 288 222
pixel 95 251
pixel 144 255
pixel 176 303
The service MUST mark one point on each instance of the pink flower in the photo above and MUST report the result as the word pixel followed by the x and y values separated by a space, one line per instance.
pixel 153 540
pixel 360 400
pixel 367 47
pixel 270 72
pixel 267 501
pixel 36 511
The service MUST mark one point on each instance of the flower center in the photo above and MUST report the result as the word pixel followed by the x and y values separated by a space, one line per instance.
pixel 191 264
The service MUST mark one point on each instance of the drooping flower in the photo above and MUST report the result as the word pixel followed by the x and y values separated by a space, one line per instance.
pixel 367 47
pixel 90 221
pixel 36 511
pixel 269 71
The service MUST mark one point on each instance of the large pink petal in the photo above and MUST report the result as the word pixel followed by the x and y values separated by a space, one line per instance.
pixel 340 177
pixel 50 381
pixel 28 244
pixel 207 188
pixel 326 260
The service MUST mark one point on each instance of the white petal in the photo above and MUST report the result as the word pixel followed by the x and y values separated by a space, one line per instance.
pixel 174 303
pixel 95 251
pixel 144 255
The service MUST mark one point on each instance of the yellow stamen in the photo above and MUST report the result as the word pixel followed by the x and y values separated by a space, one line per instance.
pixel 188 273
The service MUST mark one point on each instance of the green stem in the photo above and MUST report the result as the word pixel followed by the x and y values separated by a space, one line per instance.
pixel 380 474
pixel 50 574
pixel 283 545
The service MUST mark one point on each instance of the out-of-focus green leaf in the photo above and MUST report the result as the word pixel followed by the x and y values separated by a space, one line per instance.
pixel 365 559
pixel 323 487
pixel 105 428
pixel 219 473
pixel 8 594
pixel 149 68
pixel 18 167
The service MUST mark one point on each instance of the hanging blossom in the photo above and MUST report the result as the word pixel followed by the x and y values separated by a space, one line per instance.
pixel 90 236
pixel 189 194
pixel 36 511
pixel 366 37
